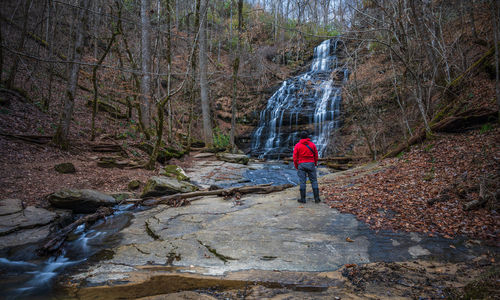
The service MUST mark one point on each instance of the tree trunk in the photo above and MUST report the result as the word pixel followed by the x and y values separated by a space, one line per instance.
pixel 1 52
pixel 257 189
pixel 94 81
pixel 61 137
pixel 496 32
pixel 193 76
pixel 137 82
pixel 236 66
pixel 145 101
pixel 205 102
pixel 161 105
pixel 20 46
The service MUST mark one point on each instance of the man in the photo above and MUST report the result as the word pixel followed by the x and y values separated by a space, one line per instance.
pixel 305 159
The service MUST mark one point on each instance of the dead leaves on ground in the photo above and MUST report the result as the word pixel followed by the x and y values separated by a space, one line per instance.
pixel 396 197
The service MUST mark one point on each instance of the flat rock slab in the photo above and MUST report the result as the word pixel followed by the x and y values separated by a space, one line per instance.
pixel 204 155
pixel 10 206
pixel 213 236
pixel 220 173
pixel 80 201
pixel 28 218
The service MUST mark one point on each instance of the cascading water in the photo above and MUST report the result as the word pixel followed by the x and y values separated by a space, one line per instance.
pixel 24 275
pixel 310 102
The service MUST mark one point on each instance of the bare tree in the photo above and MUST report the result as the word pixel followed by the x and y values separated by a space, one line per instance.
pixel 61 137
pixel 145 64
pixel 236 66
pixel 205 102
pixel 15 65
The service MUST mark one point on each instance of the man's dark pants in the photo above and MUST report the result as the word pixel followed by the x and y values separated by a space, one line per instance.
pixel 305 170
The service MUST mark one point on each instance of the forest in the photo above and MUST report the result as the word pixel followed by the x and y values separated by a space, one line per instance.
pixel 125 116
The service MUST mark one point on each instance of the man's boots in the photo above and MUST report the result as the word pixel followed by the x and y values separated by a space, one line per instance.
pixel 316 196
pixel 302 196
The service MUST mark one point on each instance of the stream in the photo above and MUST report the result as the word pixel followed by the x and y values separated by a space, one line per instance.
pixel 23 274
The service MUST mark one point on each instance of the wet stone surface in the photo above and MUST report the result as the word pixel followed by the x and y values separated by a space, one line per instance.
pixel 213 236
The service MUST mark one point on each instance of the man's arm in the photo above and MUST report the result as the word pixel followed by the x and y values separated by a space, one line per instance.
pixel 315 156
pixel 296 157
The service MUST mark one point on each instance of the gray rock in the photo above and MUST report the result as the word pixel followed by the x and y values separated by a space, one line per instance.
pixel 203 155
pixel 160 185
pixel 25 236
pixel 28 218
pixel 233 158
pixel 80 201
pixel 65 168
pixel 175 172
pixel 10 206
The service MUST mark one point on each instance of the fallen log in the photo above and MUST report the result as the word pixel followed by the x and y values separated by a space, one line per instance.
pixel 254 189
pixel 106 148
pixel 57 240
pixel 36 139
pixel 450 124
pixel 338 166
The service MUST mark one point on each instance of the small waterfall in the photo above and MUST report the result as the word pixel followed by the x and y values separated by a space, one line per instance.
pixel 310 101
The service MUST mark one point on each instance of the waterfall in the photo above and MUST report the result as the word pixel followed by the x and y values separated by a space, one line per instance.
pixel 310 101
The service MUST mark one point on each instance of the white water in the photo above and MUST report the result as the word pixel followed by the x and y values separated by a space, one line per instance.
pixel 311 98
pixel 26 276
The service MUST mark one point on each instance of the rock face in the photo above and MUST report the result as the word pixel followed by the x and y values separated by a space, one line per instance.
pixel 161 185
pixel 175 172
pixel 10 206
pixel 80 201
pixel 20 226
pixel 65 168
pixel 233 158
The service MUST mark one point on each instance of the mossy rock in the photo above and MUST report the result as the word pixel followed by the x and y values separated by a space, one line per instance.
pixel 164 154
pixel 80 201
pixel 134 185
pixel 113 162
pixel 122 196
pixel 144 147
pixel 197 144
pixel 161 185
pixel 233 158
pixel 65 168
pixel 175 172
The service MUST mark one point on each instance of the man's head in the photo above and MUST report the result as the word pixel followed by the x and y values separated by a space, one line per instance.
pixel 303 135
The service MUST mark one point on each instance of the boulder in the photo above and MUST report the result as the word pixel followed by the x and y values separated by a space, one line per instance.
pixel 164 153
pixel 80 201
pixel 175 172
pixel 25 236
pixel 161 185
pixel 203 155
pixel 233 158
pixel 113 162
pixel 65 168
pixel 10 206
pixel 30 217
pixel 134 185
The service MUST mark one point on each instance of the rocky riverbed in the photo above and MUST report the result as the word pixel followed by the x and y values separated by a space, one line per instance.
pixel 261 246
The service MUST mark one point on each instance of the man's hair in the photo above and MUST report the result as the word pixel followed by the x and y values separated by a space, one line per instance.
pixel 304 135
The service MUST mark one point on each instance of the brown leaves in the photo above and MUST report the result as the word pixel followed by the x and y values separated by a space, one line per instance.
pixel 397 197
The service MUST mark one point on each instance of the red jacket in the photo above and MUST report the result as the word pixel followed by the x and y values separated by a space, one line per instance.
pixel 302 154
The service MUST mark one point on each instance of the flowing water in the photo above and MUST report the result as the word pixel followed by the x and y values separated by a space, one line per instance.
pixel 24 275
pixel 310 102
